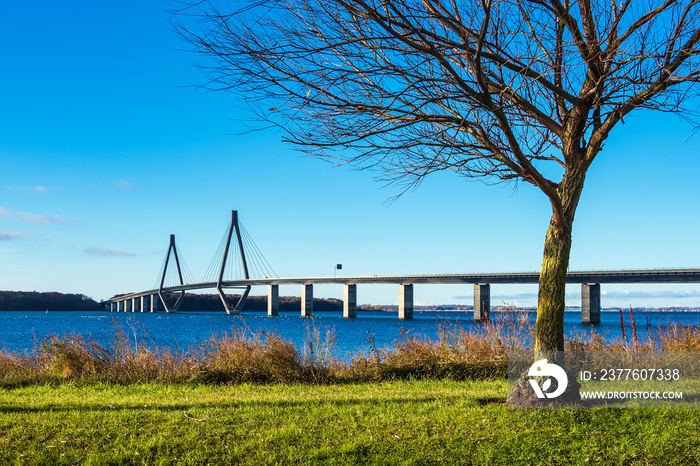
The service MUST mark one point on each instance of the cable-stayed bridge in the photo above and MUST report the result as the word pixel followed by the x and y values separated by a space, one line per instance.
pixel 249 268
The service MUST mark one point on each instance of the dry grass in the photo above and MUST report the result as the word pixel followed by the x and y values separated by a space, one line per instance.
pixel 455 354
pixel 674 337
pixel 247 357
pixel 244 356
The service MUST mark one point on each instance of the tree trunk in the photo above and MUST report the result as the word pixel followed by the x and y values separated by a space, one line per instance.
pixel 549 332
pixel 549 335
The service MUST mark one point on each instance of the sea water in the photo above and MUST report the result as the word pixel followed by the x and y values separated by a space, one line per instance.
pixel 22 332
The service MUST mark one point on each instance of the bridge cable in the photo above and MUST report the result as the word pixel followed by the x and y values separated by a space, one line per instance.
pixel 231 267
pixel 156 284
pixel 254 260
pixel 210 275
pixel 258 266
pixel 229 263
pixel 235 263
pixel 264 266
pixel 187 276
pixel 219 257
pixel 254 256
pixel 172 277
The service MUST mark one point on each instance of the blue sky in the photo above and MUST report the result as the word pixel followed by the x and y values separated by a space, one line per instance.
pixel 106 149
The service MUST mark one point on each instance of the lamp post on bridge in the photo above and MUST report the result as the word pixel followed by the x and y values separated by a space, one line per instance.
pixel 336 268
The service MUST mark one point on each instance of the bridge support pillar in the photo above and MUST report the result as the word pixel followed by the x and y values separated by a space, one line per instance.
pixel 127 305
pixel 482 302
pixel 154 302
pixel 405 302
pixel 273 300
pixel 111 306
pixel 144 304
pixel 590 303
pixel 133 305
pixel 350 301
pixel 307 300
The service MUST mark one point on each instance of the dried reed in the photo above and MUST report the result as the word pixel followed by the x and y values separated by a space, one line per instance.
pixel 242 355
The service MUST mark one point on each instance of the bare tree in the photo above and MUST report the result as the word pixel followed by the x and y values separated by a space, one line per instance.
pixel 500 89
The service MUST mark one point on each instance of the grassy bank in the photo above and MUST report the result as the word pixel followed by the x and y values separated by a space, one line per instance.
pixel 242 356
pixel 248 398
pixel 419 422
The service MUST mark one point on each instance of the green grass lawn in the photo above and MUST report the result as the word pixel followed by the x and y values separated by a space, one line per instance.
pixel 423 422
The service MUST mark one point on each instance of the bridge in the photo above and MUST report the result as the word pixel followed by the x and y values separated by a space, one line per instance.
pixel 152 300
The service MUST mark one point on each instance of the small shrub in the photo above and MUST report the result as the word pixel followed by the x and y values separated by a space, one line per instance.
pixel 245 357
pixel 318 353
pixel 74 359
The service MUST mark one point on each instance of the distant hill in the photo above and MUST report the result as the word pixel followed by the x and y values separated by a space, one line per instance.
pixel 34 301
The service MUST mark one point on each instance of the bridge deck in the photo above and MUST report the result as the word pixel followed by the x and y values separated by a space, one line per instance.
pixel 605 276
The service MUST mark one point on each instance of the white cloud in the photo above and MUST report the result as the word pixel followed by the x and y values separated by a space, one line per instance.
pixel 124 184
pixel 606 296
pixel 625 294
pixel 35 219
pixel 502 296
pixel 99 252
pixel 13 235
pixel 27 189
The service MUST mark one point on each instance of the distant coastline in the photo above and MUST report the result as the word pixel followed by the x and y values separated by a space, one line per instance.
pixel 31 301
pixel 51 301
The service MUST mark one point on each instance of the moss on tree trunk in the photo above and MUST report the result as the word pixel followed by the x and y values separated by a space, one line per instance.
pixel 549 333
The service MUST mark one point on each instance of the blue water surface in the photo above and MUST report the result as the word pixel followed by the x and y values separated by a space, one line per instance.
pixel 21 332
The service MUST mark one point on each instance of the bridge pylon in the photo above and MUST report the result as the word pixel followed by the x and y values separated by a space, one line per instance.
pixel 172 248
pixel 233 227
